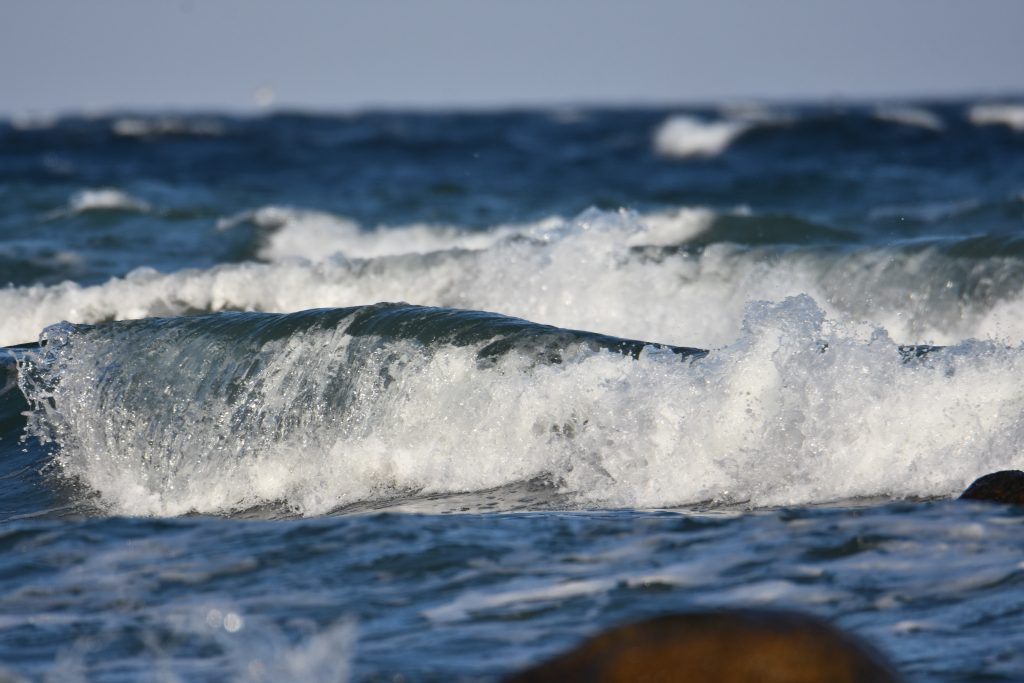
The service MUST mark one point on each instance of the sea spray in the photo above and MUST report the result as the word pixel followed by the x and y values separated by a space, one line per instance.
pixel 227 412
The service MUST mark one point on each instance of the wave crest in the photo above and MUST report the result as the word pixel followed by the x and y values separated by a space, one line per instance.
pixel 308 413
pixel 685 136
pixel 998 114
pixel 105 199
pixel 618 272
pixel 289 233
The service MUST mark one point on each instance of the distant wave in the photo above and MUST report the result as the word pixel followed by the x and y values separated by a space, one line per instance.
pixel 917 117
pixel 316 410
pixel 105 199
pixel 33 121
pixel 315 235
pixel 149 126
pixel 36 259
pixel 998 114
pixel 288 233
pixel 688 136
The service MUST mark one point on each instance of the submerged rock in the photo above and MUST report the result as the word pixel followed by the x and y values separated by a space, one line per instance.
pixel 718 647
pixel 1006 486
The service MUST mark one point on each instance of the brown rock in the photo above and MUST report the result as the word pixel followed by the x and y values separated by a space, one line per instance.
pixel 718 647
pixel 999 487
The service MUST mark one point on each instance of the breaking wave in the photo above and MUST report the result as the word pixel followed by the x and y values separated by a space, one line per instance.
pixel 998 114
pixel 917 117
pixel 688 136
pixel 105 199
pixel 680 277
pixel 288 233
pixel 313 411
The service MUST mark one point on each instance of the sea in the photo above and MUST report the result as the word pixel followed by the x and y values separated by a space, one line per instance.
pixel 395 396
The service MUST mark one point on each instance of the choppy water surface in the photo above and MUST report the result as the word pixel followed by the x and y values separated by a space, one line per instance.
pixel 648 360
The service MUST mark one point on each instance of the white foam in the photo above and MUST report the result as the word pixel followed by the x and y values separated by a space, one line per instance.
pixel 105 199
pixel 473 602
pixel 316 236
pixel 998 114
pixel 138 127
pixel 668 228
pixel 582 273
pixel 773 591
pixel 688 136
pixel 916 117
pixel 26 121
pixel 769 419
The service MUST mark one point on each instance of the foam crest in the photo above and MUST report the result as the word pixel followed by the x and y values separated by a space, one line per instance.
pixel 916 117
pixel 314 235
pixel 998 114
pixel 105 199
pixel 688 136
pixel 144 127
pixel 33 121
pixel 169 417
pixel 670 228
pixel 591 272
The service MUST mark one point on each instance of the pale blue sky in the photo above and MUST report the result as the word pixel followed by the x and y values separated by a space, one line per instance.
pixel 60 55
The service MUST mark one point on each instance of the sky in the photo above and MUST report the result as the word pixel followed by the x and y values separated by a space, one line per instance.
pixel 239 55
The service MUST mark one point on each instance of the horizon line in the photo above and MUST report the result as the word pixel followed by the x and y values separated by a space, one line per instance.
pixel 1013 95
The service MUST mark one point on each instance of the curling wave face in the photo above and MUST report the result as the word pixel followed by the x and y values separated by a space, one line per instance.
pixel 314 411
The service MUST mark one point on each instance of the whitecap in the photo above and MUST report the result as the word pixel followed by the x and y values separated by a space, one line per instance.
pixel 917 117
pixel 33 121
pixel 140 127
pixel 105 199
pixel 688 136
pixel 291 233
pixel 998 114
pixel 671 227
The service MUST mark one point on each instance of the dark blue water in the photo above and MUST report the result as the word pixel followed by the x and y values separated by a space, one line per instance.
pixel 843 174
pixel 219 487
